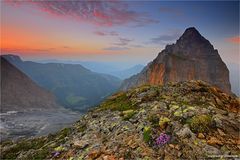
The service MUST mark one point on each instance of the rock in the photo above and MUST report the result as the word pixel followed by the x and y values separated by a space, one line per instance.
pixel 109 157
pixel 201 136
pixel 221 133
pixel 80 144
pixel 167 66
pixel 109 136
pixel 185 132
pixel 217 120
pixel 214 141
pixel 219 102
pixel 210 150
pixel 171 145
pixel 177 147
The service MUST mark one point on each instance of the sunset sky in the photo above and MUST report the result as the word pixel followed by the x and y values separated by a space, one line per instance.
pixel 123 31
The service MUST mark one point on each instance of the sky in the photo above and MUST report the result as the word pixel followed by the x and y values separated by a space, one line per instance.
pixel 131 32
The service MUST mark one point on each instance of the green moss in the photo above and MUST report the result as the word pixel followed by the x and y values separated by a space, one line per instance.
pixel 22 145
pixel 128 114
pixel 154 119
pixel 59 149
pixel 178 113
pixel 65 131
pixel 39 154
pixel 174 106
pixel 119 102
pixel 81 128
pixel 147 134
pixel 163 122
pixel 200 123
pixel 7 142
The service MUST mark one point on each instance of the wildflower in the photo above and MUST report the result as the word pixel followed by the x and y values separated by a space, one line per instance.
pixel 162 139
pixel 56 154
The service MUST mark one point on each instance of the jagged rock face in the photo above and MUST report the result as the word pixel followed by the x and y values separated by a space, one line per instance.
pixel 20 93
pixel 191 58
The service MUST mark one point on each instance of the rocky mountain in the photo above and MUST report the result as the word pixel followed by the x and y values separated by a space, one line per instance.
pixel 19 92
pixel 184 120
pixel 27 109
pixel 73 85
pixel 191 58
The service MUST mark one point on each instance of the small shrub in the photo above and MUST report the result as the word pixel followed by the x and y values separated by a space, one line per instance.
pixel 201 123
pixel 147 134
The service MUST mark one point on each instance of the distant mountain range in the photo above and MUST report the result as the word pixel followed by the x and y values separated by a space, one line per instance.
pixel 74 86
pixel 126 73
pixel 192 58
pixel 119 70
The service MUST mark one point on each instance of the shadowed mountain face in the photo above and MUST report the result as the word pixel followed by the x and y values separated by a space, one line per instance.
pixel 19 92
pixel 191 58
pixel 27 109
pixel 74 86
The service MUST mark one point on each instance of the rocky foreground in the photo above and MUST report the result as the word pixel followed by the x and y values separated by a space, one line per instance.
pixel 185 120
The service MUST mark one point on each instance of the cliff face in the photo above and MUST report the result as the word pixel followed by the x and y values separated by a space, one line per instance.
pixel 191 58
pixel 20 93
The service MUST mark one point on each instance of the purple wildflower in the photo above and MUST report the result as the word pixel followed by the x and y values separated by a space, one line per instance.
pixel 162 139
pixel 56 154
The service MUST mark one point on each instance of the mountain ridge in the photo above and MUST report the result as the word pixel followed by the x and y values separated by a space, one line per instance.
pixel 74 86
pixel 184 120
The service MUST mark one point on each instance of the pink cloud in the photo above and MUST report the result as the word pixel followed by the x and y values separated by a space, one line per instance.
pixel 235 39
pixel 104 13
pixel 99 33
pixel 103 33
pixel 123 42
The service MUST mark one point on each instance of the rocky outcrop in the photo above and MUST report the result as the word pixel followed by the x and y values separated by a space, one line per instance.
pixel 20 93
pixel 185 120
pixel 191 58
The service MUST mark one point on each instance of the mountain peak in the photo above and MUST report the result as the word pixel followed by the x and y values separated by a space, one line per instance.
pixel 192 31
pixel 192 52
pixel 12 57
pixel 192 35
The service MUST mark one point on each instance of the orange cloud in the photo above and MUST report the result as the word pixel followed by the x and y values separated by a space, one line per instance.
pixel 235 39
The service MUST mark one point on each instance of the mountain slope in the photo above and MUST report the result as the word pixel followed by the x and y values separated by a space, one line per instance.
pixel 27 109
pixel 126 73
pixel 73 85
pixel 19 92
pixel 191 58
pixel 185 120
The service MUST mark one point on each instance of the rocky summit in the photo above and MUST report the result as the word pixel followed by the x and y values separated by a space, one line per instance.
pixel 184 120
pixel 191 58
